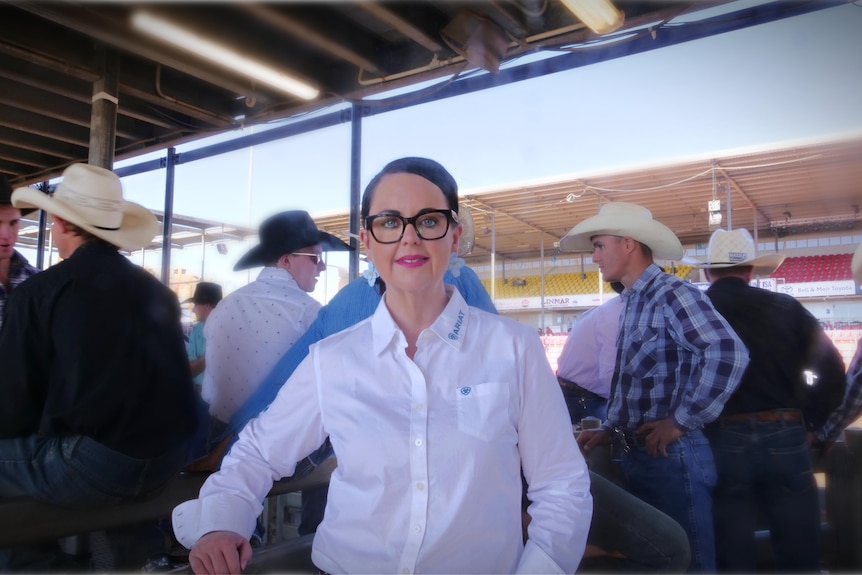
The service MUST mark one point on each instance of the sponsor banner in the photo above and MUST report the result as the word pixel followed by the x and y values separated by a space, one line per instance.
pixel 819 289
pixel 799 290
pixel 551 302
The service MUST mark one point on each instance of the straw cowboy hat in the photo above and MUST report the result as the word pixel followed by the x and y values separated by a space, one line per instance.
pixel 729 249
pixel 624 219
pixel 856 265
pixel 285 233
pixel 92 198
pixel 6 195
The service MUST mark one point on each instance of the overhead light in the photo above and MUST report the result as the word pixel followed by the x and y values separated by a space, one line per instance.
pixel 600 16
pixel 218 54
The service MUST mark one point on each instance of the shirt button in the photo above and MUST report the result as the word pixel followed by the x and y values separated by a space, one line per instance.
pixel 420 406
pixel 420 486
pixel 418 529
pixel 405 571
pixel 418 443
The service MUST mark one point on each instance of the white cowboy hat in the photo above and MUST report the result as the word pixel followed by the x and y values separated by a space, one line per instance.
pixel 624 219
pixel 856 265
pixel 92 198
pixel 729 249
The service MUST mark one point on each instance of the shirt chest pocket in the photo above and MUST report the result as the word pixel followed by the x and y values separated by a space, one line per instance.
pixel 483 409
pixel 644 351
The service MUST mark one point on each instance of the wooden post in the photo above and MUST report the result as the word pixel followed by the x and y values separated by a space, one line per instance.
pixel 103 114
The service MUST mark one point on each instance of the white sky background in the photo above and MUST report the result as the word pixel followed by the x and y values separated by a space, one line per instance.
pixel 787 82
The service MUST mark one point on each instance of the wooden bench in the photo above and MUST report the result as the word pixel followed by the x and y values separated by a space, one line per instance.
pixel 25 520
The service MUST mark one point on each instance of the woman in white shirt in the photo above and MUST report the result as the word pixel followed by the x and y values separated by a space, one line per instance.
pixel 433 409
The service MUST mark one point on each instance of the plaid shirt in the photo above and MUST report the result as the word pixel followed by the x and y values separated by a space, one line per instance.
pixel 676 356
pixel 851 406
pixel 19 270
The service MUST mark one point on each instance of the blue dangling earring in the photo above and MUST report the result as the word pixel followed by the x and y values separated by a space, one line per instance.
pixel 455 264
pixel 370 274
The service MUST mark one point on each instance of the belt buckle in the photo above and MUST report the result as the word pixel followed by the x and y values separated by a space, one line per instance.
pixel 621 437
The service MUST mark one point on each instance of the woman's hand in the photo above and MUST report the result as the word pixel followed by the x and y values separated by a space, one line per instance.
pixel 220 553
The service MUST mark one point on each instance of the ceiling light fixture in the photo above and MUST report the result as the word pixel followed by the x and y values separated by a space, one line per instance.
pixel 600 16
pixel 218 54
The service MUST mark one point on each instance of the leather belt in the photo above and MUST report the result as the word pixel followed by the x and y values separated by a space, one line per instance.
pixel 628 440
pixel 576 389
pixel 770 415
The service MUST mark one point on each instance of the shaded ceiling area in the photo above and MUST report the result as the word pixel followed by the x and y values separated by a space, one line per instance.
pixel 54 54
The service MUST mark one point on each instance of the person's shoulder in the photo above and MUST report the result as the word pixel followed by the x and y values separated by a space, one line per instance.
pixel 359 331
pixel 49 279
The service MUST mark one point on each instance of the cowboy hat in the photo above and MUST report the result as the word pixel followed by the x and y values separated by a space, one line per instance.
pixel 284 233
pixel 628 220
pixel 729 249
pixel 6 195
pixel 856 265
pixel 206 293
pixel 91 198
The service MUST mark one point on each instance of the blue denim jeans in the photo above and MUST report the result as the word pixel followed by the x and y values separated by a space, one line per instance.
pixel 681 486
pixel 765 469
pixel 637 537
pixel 76 472
pixel 79 471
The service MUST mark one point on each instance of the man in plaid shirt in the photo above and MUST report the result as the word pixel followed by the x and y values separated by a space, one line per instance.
pixel 678 362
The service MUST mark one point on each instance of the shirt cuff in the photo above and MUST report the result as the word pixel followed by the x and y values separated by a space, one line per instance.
pixel 192 519
pixel 535 561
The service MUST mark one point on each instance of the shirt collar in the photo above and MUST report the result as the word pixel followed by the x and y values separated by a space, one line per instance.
pixel 277 274
pixel 649 274
pixel 450 326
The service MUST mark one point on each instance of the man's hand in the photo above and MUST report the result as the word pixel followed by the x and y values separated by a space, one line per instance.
pixel 590 438
pixel 658 435
pixel 220 553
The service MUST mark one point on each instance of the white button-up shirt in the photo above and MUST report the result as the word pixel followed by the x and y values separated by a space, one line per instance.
pixel 247 333
pixel 429 451
pixel 590 353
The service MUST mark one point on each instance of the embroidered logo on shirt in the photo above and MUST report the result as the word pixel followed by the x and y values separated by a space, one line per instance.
pixel 453 335
pixel 465 390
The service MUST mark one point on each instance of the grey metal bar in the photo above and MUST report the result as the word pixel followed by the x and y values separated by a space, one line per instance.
pixel 168 217
pixel 355 175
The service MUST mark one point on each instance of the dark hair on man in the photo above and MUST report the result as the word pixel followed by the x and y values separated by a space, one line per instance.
pixel 729 271
pixel 85 235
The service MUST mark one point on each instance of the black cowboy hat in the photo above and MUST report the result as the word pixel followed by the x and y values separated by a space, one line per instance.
pixel 285 233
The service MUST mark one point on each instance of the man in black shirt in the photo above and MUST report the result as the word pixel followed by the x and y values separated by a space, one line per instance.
pixel 761 440
pixel 98 403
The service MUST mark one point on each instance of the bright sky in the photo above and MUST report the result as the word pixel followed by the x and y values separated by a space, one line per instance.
pixel 793 81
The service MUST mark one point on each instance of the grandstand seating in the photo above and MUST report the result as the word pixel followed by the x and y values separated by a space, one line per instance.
pixel 818 268
pixel 556 284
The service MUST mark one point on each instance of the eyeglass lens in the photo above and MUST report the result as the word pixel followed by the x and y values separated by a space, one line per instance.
pixel 429 225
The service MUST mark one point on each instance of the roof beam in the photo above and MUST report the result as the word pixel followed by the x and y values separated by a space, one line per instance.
pixel 285 23
pixel 384 14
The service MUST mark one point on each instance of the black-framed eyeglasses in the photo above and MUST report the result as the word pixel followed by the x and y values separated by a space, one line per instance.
pixel 316 258
pixel 430 224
